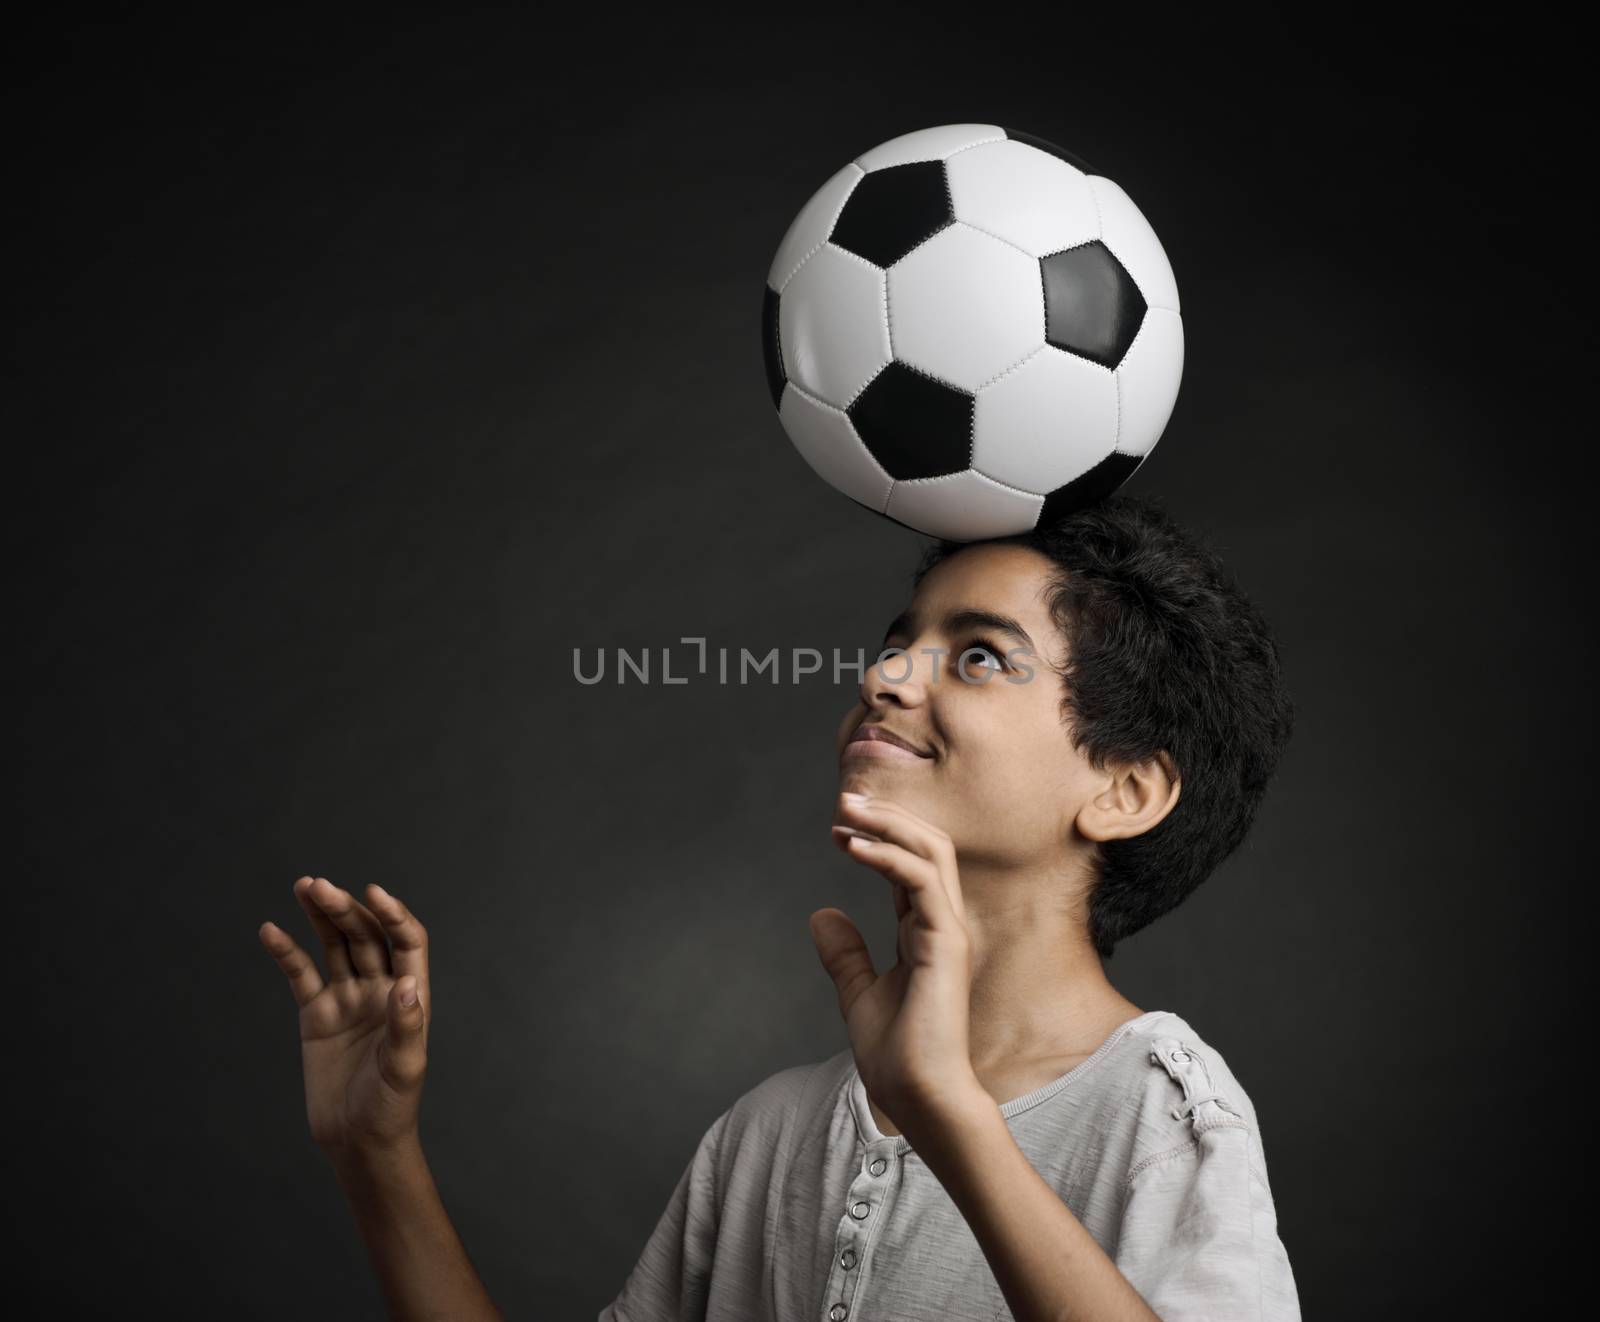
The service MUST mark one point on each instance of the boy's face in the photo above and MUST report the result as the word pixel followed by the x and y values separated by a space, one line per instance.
pixel 1001 776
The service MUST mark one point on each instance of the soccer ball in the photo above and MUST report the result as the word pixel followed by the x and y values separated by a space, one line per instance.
pixel 969 332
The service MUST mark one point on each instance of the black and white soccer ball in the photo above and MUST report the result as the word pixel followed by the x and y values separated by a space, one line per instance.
pixel 969 332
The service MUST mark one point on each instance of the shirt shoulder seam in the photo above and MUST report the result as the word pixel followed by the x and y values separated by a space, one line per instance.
pixel 1188 1148
pixel 1192 1146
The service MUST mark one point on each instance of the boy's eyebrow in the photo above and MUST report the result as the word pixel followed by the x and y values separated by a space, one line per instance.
pixel 960 619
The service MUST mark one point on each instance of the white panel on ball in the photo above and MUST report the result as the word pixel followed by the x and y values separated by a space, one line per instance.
pixel 928 144
pixel 1023 195
pixel 963 506
pixel 811 227
pixel 1046 421
pixel 828 442
pixel 964 306
pixel 1147 380
pixel 1127 233
pixel 833 326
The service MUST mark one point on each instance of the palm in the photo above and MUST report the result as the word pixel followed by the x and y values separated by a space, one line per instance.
pixel 341 1030
pixel 902 1021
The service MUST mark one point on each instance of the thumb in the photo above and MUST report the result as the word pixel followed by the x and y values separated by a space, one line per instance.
pixel 844 954
pixel 405 1048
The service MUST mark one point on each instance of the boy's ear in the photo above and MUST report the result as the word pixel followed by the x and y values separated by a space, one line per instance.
pixel 1135 798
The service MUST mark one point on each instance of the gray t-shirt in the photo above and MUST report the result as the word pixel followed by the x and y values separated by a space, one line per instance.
pixel 795 1208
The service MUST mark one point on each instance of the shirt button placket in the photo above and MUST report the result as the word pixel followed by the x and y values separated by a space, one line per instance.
pixel 857 1210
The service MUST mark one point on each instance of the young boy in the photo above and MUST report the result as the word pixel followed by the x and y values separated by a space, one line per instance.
pixel 1069 731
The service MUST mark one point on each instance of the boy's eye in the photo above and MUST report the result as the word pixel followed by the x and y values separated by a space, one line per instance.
pixel 971 655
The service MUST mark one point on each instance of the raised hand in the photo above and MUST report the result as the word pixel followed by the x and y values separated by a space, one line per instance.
pixel 908 1027
pixel 363 1030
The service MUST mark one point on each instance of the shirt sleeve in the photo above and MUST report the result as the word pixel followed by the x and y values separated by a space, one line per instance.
pixel 672 1278
pixel 1199 1238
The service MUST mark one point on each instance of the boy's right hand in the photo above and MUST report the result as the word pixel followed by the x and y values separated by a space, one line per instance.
pixel 363 1051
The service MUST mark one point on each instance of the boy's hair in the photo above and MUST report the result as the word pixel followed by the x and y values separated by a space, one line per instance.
pixel 1166 654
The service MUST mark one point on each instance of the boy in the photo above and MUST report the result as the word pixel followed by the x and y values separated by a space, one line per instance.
pixel 1070 730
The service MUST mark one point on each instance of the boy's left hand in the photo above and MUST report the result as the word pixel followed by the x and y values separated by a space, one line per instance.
pixel 908 1027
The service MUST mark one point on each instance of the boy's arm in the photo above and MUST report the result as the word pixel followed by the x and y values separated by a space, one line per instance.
pixel 1046 1263
pixel 422 1266
pixel 1198 1237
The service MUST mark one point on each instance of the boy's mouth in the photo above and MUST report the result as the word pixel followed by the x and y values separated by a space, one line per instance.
pixel 876 741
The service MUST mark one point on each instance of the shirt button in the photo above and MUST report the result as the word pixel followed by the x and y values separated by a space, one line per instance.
pixel 859 1211
pixel 879 1166
pixel 837 1312
pixel 847 1259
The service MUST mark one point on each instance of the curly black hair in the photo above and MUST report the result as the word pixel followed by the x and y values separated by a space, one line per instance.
pixel 1166 654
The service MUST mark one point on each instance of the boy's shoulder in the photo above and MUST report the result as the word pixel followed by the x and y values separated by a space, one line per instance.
pixel 768 1106
pixel 1184 1087
pixel 1172 1083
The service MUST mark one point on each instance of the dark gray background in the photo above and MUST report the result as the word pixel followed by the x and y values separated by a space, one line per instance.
pixel 363 369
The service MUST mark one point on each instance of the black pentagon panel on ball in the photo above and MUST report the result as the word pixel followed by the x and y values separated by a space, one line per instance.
pixel 892 210
pixel 771 350
pixel 1087 488
pixel 1045 145
pixel 1091 306
pixel 914 425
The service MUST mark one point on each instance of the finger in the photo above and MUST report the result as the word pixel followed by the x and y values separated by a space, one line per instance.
pixel 844 955
pixel 905 927
pixel 889 821
pixel 298 967
pixel 842 835
pixel 409 939
pixel 917 875
pixel 363 933
pixel 403 1056
pixel 334 949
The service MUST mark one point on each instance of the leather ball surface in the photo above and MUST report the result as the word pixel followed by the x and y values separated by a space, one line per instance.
pixel 969 331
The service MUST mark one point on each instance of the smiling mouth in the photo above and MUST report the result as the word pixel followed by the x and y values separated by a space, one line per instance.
pixel 870 741
pixel 876 748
